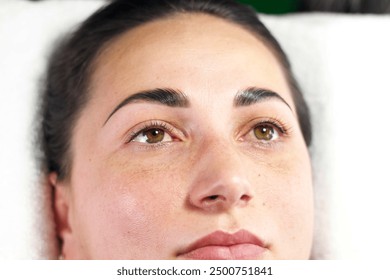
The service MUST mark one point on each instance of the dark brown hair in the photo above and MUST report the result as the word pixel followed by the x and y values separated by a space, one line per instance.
pixel 67 78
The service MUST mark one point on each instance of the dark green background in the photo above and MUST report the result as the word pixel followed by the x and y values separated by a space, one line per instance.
pixel 273 6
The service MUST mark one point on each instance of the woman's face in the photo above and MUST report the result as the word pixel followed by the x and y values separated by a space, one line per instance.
pixel 189 148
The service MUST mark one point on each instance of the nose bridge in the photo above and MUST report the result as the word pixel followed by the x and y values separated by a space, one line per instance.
pixel 221 156
pixel 220 179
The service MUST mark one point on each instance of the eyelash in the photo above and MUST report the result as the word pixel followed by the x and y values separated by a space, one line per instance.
pixel 150 125
pixel 282 128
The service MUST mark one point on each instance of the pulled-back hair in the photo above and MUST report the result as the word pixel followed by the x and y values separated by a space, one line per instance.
pixel 70 66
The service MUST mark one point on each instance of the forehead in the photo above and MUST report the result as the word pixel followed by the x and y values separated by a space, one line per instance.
pixel 192 52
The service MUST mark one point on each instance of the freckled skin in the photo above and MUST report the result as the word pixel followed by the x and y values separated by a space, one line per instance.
pixel 130 201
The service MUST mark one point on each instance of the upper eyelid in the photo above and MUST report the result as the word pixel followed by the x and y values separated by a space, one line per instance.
pixel 272 123
pixel 281 126
pixel 134 132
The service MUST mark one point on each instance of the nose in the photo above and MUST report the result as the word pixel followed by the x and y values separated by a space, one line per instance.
pixel 220 182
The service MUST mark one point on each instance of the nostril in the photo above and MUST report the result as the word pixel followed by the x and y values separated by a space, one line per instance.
pixel 245 197
pixel 218 201
pixel 212 200
pixel 212 197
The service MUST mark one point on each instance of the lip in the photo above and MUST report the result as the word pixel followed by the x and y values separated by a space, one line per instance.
pixel 220 245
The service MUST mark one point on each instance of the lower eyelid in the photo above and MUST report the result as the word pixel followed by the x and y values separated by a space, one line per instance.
pixel 150 147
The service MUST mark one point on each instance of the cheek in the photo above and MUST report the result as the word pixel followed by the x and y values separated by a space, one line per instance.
pixel 123 206
pixel 127 208
pixel 289 201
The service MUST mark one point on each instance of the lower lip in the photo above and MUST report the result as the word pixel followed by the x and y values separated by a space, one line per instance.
pixel 233 252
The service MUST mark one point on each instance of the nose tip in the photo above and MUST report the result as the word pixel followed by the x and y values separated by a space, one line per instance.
pixel 221 194
pixel 220 179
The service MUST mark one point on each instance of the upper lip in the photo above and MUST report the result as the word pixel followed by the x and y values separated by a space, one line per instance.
pixel 221 238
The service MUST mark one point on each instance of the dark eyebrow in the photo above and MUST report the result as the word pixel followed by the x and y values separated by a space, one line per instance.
pixel 165 96
pixel 254 95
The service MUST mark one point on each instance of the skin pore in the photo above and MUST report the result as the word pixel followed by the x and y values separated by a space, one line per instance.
pixel 190 129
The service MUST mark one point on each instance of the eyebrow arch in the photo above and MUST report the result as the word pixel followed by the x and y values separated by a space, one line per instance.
pixel 254 95
pixel 165 96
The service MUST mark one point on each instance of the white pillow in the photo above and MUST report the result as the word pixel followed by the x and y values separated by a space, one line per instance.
pixel 342 65
pixel 27 32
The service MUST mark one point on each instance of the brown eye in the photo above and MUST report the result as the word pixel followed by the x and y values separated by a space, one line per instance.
pixel 152 136
pixel 265 132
